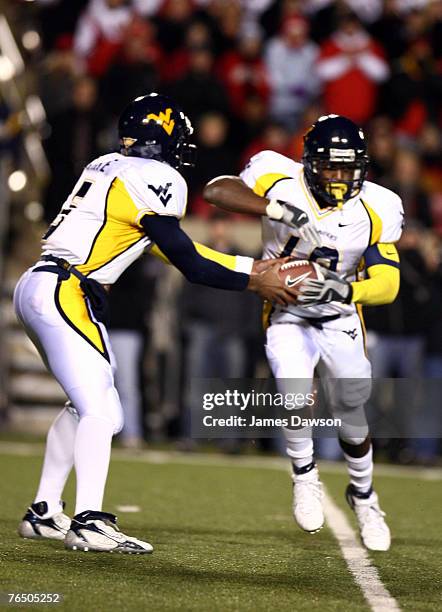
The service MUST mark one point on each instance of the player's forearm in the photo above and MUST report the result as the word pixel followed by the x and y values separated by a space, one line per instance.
pixel 233 195
pixel 181 252
pixel 237 263
pixel 381 288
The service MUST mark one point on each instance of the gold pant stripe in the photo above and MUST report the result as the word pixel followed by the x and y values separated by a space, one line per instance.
pixel 72 306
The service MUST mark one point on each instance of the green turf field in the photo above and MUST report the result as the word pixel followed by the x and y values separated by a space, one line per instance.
pixel 224 540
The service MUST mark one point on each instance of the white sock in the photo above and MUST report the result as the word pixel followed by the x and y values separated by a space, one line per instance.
pixel 300 450
pixel 92 456
pixel 361 470
pixel 58 461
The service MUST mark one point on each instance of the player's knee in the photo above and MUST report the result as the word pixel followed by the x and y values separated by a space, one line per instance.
pixel 112 410
pixel 352 434
pixel 102 403
pixel 352 393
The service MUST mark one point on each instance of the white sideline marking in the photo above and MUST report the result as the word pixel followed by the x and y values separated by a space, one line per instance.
pixel 358 562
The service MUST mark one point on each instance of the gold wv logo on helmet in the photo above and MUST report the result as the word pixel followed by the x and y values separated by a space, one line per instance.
pixel 162 119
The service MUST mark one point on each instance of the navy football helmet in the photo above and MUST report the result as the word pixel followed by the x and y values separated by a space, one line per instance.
pixel 154 127
pixel 334 143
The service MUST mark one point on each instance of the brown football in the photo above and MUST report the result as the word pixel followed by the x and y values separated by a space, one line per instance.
pixel 295 272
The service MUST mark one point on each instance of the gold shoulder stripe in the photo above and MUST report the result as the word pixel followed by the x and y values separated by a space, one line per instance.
pixel 376 224
pixel 267 182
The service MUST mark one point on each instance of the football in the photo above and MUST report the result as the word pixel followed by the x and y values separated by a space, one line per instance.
pixel 295 272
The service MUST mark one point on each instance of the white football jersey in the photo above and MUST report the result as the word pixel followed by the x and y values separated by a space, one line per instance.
pixel 375 215
pixel 98 228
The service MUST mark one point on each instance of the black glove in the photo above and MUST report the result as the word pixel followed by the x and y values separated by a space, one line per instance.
pixel 333 288
pixel 296 218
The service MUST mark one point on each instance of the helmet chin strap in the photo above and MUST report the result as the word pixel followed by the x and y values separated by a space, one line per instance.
pixel 337 191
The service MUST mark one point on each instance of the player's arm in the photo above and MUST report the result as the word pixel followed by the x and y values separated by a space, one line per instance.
pixel 233 195
pixel 178 248
pixel 381 286
pixel 237 263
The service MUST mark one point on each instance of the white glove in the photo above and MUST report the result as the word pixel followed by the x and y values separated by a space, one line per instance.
pixel 277 210
pixel 332 288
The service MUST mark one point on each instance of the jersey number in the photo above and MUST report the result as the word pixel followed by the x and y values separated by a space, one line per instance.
pixel 81 193
pixel 324 256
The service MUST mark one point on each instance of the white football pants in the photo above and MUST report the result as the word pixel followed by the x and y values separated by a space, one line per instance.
pixel 74 346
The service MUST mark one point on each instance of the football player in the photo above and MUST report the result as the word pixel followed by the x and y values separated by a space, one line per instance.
pixel 122 205
pixel 333 216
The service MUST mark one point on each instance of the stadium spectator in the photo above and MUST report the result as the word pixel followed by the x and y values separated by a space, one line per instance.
pixel 406 181
pixel 413 95
pixel 426 449
pixel 226 16
pixel 243 72
pixel 172 22
pixel 351 67
pixel 310 116
pixel 396 341
pixel 273 137
pixel 73 142
pixel 100 32
pixel 176 64
pixel 199 91
pixel 10 129
pixel 367 10
pixel 290 59
pixel 390 30
pixel 382 147
pixel 213 152
pixel 57 75
pixel 130 301
pixel 213 323
pixel 137 66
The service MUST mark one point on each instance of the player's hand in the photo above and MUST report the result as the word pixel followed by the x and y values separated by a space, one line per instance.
pixel 296 218
pixel 261 265
pixel 333 288
pixel 268 285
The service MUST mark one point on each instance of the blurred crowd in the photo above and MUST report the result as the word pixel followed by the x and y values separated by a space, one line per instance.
pixel 253 75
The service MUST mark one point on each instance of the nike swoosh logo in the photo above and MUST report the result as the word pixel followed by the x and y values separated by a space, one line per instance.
pixel 291 282
pixel 390 253
pixel 344 225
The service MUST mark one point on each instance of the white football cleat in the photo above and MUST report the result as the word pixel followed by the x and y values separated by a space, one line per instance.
pixel 35 527
pixel 98 531
pixel 307 500
pixel 375 534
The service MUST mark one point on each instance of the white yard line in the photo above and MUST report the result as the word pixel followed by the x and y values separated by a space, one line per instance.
pixel 358 562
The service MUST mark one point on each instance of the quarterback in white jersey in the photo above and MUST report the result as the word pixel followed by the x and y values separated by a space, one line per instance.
pixel 330 215
pixel 122 205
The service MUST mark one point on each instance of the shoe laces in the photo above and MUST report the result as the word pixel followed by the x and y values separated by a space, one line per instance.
pixel 111 530
pixel 370 515
pixel 308 488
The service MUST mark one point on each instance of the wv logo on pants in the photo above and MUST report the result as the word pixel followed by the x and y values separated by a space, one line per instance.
pixel 162 192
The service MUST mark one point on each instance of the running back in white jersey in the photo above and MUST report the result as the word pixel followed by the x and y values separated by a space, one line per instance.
pixel 98 228
pixel 375 215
